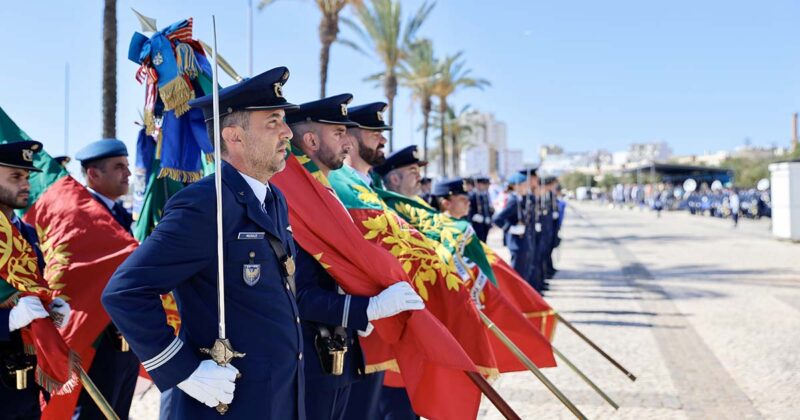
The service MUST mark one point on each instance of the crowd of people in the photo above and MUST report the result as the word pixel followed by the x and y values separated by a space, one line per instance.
pixel 712 201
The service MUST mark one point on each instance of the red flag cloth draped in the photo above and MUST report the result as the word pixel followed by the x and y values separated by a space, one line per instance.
pixel 524 297
pixel 83 245
pixel 56 365
pixel 431 362
pixel 444 293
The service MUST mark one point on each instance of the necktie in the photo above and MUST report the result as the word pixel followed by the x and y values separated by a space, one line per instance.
pixel 269 206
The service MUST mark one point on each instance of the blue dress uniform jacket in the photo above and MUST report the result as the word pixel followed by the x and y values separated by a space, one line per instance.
pixel 262 319
pixel 480 203
pixel 512 214
pixel 320 303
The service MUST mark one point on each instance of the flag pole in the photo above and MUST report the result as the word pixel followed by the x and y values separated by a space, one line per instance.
pixel 585 378
pixel 493 396
pixel 517 352
pixel 596 347
pixel 97 397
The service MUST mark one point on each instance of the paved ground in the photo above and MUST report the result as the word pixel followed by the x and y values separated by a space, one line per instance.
pixel 706 316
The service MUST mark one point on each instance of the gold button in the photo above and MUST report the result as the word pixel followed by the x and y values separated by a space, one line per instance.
pixel 252 254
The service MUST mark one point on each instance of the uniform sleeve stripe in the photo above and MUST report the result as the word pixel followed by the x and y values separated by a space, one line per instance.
pixel 346 313
pixel 164 356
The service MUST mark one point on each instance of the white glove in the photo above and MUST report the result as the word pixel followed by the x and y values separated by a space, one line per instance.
pixel 210 383
pixel 26 310
pixel 394 299
pixel 60 312
pixel 367 332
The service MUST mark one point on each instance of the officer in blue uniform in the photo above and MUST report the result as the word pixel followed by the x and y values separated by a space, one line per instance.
pixel 104 164
pixel 425 185
pixel 480 208
pixel 514 219
pixel 19 394
pixel 369 143
pixel 331 318
pixel 180 256
pixel 550 216
pixel 401 174
pixel 452 197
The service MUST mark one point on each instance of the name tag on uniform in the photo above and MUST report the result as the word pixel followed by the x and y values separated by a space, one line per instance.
pixel 251 235
pixel 477 218
pixel 518 230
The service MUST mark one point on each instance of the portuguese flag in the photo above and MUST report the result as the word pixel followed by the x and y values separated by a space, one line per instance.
pixel 524 297
pixel 429 359
pixel 82 245
pixel 435 279
pixel 466 252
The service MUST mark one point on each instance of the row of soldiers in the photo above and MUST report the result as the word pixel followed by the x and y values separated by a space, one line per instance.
pixel 284 310
pixel 530 219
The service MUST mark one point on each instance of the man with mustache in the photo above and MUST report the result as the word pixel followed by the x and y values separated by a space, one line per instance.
pixel 329 315
pixel 180 256
pixel 16 163
pixel 114 369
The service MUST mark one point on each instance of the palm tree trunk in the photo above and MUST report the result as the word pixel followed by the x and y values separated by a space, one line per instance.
pixel 110 69
pixel 456 154
pixel 442 141
pixel 324 59
pixel 390 88
pixel 426 114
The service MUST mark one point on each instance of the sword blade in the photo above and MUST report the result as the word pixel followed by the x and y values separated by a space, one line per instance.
pixel 218 187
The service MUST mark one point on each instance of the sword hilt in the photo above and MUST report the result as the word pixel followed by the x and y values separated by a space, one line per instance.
pixel 222 353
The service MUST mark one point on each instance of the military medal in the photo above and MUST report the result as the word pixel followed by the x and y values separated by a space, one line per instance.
pixel 251 273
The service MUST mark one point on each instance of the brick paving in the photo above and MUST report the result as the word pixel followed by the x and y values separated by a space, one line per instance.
pixel 706 316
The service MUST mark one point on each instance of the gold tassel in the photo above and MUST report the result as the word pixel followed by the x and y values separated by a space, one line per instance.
pixel 390 365
pixel 180 176
pixel 176 94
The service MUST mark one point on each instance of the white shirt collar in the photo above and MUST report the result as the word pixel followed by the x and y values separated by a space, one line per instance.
pixel 107 201
pixel 259 188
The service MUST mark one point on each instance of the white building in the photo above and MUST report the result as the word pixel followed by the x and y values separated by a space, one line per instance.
pixel 649 152
pixel 488 153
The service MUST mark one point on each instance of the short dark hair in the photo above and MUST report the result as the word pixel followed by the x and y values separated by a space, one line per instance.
pixel 234 119
pixel 99 164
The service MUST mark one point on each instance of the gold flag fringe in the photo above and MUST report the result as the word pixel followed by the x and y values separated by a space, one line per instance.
pixel 176 94
pixel 180 176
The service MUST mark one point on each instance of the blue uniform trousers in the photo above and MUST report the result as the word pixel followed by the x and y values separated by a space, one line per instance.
pixel 365 395
pixel 395 404
pixel 114 372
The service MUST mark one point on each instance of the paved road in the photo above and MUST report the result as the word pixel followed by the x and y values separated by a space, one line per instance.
pixel 708 318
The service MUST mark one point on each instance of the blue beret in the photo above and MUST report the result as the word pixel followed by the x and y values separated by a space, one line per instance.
pixel 19 154
pixel 369 116
pixel 398 159
pixel 264 91
pixel 448 187
pixel 330 110
pixel 101 149
pixel 517 178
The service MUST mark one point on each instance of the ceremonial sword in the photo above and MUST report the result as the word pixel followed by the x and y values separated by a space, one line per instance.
pixel 221 352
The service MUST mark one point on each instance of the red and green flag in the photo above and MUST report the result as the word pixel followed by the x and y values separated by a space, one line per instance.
pixel 444 292
pixel 430 361
pixel 82 245
pixel 466 251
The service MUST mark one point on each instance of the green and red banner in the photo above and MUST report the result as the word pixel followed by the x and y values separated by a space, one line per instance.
pixel 429 359
pixel 444 292
pixel 466 251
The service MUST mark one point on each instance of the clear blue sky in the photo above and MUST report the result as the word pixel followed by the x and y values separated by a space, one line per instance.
pixel 701 75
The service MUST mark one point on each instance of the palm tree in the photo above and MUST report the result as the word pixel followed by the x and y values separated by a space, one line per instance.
pixel 387 37
pixel 328 32
pixel 110 69
pixel 452 76
pixel 458 129
pixel 418 72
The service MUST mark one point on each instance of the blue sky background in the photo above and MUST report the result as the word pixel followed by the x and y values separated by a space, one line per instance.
pixel 701 75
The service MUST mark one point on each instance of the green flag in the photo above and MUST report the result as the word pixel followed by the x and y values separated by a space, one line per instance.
pixel 51 170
